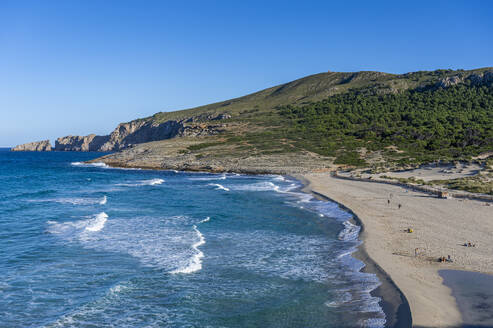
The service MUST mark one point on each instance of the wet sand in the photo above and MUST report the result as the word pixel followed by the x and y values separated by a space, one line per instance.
pixel 474 294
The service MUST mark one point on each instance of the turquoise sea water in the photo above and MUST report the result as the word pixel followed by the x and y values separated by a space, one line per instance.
pixel 91 246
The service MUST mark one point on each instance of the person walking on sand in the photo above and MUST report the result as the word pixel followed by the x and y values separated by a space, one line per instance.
pixel 416 252
pixel 400 206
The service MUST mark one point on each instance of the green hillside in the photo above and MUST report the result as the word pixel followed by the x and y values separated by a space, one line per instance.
pixel 357 118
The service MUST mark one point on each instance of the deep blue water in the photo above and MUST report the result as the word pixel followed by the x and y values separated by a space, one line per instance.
pixel 91 246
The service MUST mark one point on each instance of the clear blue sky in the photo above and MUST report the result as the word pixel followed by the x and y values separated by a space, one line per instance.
pixel 80 67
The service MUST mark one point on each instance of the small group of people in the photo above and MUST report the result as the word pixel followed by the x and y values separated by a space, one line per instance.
pixel 468 244
pixel 445 259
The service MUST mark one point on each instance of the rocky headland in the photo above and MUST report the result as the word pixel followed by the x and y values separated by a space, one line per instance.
pixel 34 146
pixel 129 134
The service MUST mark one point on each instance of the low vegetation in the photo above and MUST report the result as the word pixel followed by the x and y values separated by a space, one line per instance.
pixel 451 123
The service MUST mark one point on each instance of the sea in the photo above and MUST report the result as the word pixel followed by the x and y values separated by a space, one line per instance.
pixel 86 245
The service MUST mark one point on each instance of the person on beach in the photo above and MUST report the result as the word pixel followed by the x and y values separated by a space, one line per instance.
pixel 399 206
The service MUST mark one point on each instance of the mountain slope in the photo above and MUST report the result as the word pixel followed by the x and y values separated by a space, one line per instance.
pixel 354 118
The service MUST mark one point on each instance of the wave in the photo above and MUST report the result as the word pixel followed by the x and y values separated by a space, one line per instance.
pixel 222 177
pixel 103 201
pixel 195 263
pixel 71 200
pixel 259 186
pixel 267 186
pixel 207 219
pixel 218 186
pixel 350 232
pixel 97 223
pixel 94 224
pixel 151 182
pixel 343 297
pixel 97 164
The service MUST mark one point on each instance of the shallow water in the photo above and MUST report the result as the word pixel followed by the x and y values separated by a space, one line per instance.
pixel 90 246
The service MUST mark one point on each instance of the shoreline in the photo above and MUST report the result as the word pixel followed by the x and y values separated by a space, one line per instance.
pixel 441 226
pixel 393 301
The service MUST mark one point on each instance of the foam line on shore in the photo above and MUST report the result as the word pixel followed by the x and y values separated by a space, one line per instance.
pixel 392 300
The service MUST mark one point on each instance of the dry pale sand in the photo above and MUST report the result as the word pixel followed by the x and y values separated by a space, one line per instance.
pixel 441 227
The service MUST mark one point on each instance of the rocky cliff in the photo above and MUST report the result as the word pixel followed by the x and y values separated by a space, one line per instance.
pixel 132 133
pixel 34 146
pixel 136 132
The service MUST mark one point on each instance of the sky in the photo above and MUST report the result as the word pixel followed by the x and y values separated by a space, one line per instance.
pixel 74 67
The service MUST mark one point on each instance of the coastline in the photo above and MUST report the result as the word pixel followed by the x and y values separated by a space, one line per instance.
pixel 439 230
pixel 393 301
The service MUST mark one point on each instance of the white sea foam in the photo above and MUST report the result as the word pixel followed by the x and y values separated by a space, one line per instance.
pixel 68 200
pixel 151 182
pixel 218 186
pixel 97 223
pixel 374 323
pixel 259 186
pixel 343 297
pixel 268 186
pixel 207 219
pixel 195 263
pixel 208 178
pixel 350 232
pixel 167 243
pixel 103 201
pixel 97 164
pixel 79 228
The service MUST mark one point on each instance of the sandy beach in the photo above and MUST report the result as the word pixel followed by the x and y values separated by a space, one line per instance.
pixel 440 227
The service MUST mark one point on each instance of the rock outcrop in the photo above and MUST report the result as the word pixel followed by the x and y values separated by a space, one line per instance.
pixel 127 135
pixel 485 77
pixel 91 142
pixel 34 146
pixel 450 81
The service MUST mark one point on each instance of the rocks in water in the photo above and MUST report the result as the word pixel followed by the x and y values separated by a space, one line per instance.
pixel 34 146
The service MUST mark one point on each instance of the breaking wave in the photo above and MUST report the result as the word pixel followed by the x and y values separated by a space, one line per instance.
pixel 350 231
pixel 218 186
pixel 195 263
pixel 97 164
pixel 97 223
pixel 151 182
pixel 208 178
pixel 78 228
